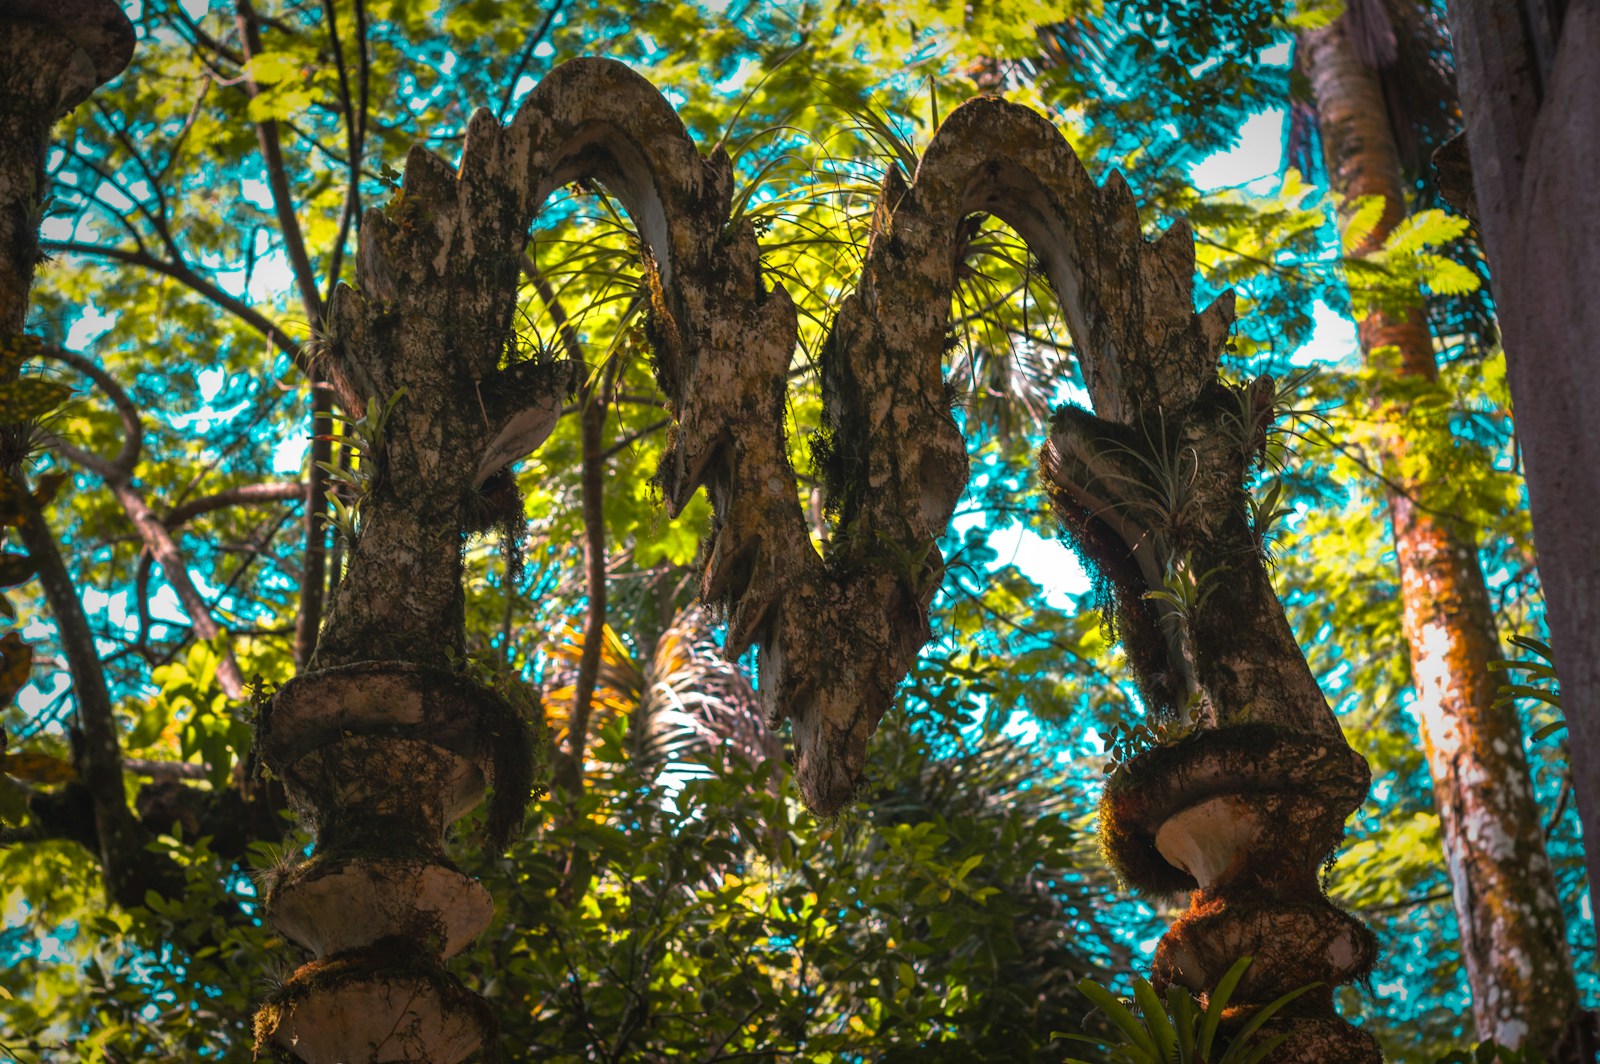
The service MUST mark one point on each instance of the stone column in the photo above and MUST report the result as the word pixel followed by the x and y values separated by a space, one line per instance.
pixel 1244 793
pixel 387 739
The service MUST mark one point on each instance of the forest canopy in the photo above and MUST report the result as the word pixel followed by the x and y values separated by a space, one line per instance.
pixel 192 464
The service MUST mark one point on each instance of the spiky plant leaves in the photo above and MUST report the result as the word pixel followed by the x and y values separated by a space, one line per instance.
pixel 1140 1047
pixel 1157 1022
pixel 1176 1031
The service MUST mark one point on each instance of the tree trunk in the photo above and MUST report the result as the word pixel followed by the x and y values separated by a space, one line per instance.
pixel 1512 931
pixel 1530 92
pixel 52 56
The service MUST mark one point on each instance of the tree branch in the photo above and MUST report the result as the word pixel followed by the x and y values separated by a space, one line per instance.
pixel 118 475
pixel 132 428
pixel 594 402
pixel 185 276
pixel 527 53
pixel 243 495
pixel 294 244
pixel 130 869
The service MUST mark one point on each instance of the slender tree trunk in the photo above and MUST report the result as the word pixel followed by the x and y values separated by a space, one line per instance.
pixel 1512 930
pixel 50 60
pixel 309 620
pixel 594 564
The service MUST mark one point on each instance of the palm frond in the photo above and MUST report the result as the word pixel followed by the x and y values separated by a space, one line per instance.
pixel 696 703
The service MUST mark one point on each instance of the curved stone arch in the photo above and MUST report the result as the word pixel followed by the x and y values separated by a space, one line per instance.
pixel 1128 302
pixel 1117 290
pixel 1247 809
pixel 900 463
pixel 384 747
pixel 896 460
pixel 597 119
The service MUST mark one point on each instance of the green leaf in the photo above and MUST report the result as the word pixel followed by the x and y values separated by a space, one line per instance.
pixel 280 103
pixel 1262 1015
pixel 13 801
pixel 1218 1002
pixel 1547 731
pixel 1363 220
pixel 1155 1019
pixel 1424 229
pixel 269 68
pixel 1181 1006
pixel 1122 1016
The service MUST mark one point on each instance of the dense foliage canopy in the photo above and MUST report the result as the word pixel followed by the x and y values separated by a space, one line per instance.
pixel 676 902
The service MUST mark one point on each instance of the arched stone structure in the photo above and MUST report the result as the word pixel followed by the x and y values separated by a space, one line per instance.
pixel 383 747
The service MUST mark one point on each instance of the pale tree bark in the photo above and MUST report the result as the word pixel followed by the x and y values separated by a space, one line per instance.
pixel 1513 934
pixel 1530 93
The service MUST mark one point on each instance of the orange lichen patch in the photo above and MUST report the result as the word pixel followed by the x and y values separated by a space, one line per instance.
pixel 1293 943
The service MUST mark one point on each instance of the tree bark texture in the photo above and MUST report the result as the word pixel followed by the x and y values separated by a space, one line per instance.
pixel 1513 933
pixel 1530 92
pixel 52 56
pixel 382 747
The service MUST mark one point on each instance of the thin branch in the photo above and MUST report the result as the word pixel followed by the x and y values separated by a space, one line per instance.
pixel 132 428
pixel 118 475
pixel 527 53
pixel 355 128
pixel 129 869
pixel 294 244
pixel 166 770
pixel 594 559
pixel 128 145
pixel 183 133
pixel 181 273
pixel 243 495
pixel 594 403
pixel 205 39
pixel 634 437
pixel 1561 807
pixel 1407 903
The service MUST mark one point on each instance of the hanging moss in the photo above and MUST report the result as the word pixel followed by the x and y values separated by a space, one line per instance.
pixel 512 744
pixel 496 506
pixel 1118 583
